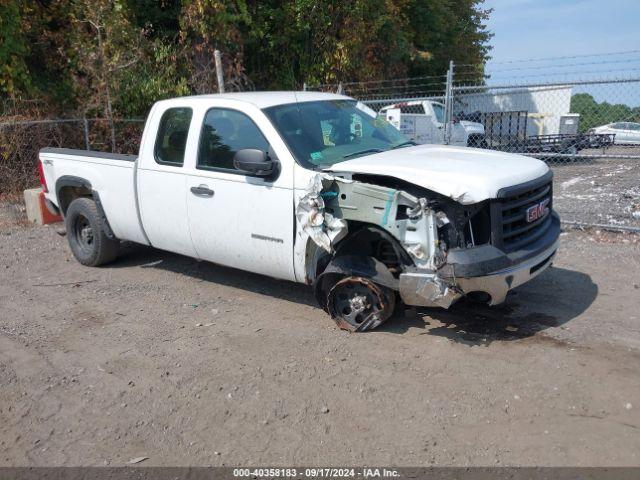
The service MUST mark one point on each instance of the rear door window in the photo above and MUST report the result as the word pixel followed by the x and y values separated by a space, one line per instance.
pixel 172 136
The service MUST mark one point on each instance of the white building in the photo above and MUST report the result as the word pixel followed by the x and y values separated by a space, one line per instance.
pixel 545 106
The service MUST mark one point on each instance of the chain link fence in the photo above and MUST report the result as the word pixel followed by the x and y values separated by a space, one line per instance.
pixel 20 141
pixel 585 125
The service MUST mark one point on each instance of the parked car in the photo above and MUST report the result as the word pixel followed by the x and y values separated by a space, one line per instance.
pixel 423 121
pixel 625 132
pixel 312 188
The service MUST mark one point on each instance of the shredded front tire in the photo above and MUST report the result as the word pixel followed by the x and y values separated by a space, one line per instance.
pixel 357 304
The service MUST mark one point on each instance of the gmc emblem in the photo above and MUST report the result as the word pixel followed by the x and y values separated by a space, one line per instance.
pixel 537 211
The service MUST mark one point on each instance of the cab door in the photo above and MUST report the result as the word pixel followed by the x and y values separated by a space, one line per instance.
pixel 628 134
pixel 238 220
pixel 162 183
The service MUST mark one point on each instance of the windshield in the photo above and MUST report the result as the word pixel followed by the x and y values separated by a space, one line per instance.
pixel 323 133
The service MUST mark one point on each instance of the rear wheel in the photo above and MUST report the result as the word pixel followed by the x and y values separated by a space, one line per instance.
pixel 357 304
pixel 87 238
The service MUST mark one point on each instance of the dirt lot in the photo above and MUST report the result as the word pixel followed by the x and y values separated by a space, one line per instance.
pixel 601 191
pixel 189 363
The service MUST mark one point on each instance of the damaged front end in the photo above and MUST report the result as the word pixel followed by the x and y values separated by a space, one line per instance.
pixel 400 236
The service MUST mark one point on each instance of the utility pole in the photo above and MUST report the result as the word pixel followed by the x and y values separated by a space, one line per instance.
pixel 219 71
pixel 85 128
pixel 448 105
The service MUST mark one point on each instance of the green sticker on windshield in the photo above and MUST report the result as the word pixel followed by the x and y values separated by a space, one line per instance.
pixel 316 155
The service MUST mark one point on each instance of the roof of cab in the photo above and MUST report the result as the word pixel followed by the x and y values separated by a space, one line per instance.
pixel 264 99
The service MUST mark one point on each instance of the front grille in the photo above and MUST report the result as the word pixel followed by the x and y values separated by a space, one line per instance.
pixel 510 213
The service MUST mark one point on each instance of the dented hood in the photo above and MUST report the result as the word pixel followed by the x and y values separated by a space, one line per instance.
pixel 467 175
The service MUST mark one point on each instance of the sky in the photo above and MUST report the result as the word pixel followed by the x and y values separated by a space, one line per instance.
pixel 589 29
pixel 548 28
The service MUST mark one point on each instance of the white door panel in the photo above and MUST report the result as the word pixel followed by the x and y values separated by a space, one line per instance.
pixel 162 183
pixel 458 135
pixel 246 223
pixel 236 220
pixel 163 208
pixel 630 136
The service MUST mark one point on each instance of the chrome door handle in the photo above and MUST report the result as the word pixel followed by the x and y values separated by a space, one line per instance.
pixel 202 191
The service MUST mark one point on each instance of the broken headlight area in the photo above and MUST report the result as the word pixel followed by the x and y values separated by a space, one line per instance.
pixel 331 204
pixel 469 225
pixel 314 218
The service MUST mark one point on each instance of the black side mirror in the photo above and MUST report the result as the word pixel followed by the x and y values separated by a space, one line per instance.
pixel 254 162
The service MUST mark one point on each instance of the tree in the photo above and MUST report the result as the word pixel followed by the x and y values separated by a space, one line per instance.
pixel 14 75
pixel 114 57
pixel 159 19
pixel 448 30
pixel 207 25
pixel 594 114
pixel 320 41
pixel 103 45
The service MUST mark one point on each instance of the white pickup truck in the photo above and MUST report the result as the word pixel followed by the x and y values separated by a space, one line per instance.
pixel 312 188
pixel 423 122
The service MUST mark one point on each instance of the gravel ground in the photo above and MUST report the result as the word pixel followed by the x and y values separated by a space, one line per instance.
pixel 189 363
pixel 600 191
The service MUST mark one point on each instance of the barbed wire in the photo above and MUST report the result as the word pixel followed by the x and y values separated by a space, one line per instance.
pixel 567 65
pixel 525 86
pixel 555 77
pixel 370 82
pixel 399 87
pixel 564 57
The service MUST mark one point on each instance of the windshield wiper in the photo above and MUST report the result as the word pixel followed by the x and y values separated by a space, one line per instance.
pixel 362 152
pixel 404 144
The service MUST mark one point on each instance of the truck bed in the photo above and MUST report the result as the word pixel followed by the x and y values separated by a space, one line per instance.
pixel 89 154
pixel 110 174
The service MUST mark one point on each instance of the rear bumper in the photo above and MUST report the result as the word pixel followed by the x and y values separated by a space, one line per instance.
pixel 482 269
pixel 51 207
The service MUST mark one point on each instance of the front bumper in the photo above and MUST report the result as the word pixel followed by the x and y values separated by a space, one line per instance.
pixel 443 288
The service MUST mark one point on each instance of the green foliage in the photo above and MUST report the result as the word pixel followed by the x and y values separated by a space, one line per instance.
pixel 155 78
pixel 14 75
pixel 119 56
pixel 321 41
pixel 594 114
pixel 159 19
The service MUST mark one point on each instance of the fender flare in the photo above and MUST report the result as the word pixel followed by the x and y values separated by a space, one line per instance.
pixel 79 182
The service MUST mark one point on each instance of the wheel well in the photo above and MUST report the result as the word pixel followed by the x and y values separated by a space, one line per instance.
pixel 68 188
pixel 370 241
pixel 66 195
pixel 363 240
